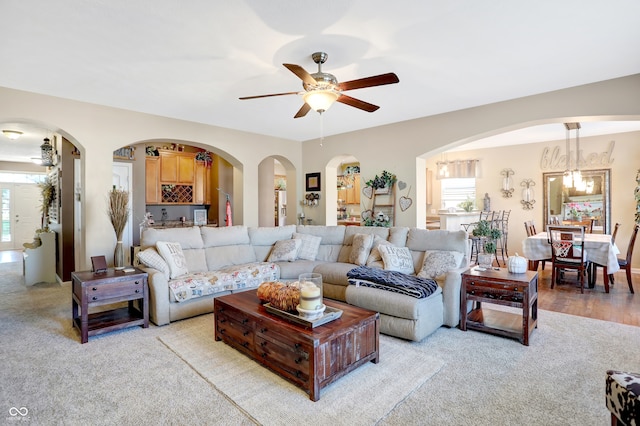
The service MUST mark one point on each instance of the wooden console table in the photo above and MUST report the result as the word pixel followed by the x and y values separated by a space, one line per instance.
pixel 91 290
pixel 500 287
pixel 308 358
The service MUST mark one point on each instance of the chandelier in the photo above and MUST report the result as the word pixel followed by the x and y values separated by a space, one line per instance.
pixel 573 178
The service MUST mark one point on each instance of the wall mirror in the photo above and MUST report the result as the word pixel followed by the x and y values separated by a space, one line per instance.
pixel 593 201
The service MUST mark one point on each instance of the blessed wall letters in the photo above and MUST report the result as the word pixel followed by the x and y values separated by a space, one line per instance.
pixel 553 159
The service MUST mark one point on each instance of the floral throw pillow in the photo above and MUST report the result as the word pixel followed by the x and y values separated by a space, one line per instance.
pixel 285 250
pixel 360 249
pixel 173 255
pixel 397 258
pixel 439 262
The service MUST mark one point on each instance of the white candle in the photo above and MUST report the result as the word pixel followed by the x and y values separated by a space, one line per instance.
pixel 310 297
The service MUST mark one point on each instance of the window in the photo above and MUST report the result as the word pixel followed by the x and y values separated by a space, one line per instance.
pixel 456 190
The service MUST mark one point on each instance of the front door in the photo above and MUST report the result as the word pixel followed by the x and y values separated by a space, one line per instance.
pixel 20 214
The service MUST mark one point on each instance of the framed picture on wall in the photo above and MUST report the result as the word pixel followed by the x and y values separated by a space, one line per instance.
pixel 200 217
pixel 313 181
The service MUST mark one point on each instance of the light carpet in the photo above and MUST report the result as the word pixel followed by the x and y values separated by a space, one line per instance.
pixel 362 397
pixel 131 378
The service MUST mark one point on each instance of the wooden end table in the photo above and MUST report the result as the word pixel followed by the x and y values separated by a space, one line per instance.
pixel 500 287
pixel 310 358
pixel 91 290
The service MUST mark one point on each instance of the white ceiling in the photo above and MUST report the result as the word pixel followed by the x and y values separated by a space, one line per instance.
pixel 193 59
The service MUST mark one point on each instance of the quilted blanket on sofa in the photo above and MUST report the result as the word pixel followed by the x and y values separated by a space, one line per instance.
pixel 236 277
pixel 394 281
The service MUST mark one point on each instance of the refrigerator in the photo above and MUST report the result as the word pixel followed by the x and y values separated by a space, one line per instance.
pixel 281 208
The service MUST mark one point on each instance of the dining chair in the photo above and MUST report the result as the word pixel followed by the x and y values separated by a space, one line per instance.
pixel 530 227
pixel 502 223
pixel 626 262
pixel 594 266
pixel 568 253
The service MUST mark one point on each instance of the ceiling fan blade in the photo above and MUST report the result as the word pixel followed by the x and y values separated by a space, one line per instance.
pixel 376 80
pixel 357 103
pixel 304 109
pixel 267 96
pixel 301 73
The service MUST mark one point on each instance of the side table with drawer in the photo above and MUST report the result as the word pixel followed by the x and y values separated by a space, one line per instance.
pixel 91 290
pixel 500 287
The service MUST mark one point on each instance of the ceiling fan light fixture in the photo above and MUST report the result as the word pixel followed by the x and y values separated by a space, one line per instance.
pixel 12 134
pixel 320 100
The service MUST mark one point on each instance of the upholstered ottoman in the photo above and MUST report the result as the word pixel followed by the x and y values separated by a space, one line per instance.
pixel 622 391
pixel 400 315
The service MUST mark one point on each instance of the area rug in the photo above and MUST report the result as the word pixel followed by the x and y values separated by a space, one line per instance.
pixel 362 397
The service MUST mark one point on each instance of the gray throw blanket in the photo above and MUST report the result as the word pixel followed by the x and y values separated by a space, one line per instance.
pixel 397 282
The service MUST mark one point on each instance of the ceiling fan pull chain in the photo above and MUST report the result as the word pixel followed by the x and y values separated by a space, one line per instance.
pixel 321 129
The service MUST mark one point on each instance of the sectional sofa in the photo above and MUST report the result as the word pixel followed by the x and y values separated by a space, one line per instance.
pixel 216 261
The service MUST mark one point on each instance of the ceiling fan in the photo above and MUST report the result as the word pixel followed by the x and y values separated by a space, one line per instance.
pixel 322 89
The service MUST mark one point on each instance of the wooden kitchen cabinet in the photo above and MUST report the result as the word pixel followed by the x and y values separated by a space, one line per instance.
pixel 353 193
pixel 152 180
pixel 177 167
pixel 202 191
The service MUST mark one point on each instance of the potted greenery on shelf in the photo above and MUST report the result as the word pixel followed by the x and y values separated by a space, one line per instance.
pixel 383 183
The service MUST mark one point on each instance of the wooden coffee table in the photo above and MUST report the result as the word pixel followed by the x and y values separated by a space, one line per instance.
pixel 500 287
pixel 310 358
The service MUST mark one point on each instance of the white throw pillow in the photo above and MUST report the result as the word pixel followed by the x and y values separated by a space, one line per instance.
pixel 438 262
pixel 309 247
pixel 173 255
pixel 360 249
pixel 374 256
pixel 151 258
pixel 397 258
pixel 285 250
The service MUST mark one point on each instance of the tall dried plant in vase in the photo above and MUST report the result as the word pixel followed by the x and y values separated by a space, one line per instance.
pixel 118 214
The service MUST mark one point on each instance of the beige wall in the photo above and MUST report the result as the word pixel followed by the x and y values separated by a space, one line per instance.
pixel 526 162
pixel 399 148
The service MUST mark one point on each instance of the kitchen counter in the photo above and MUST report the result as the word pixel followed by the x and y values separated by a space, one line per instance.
pixel 454 221
pixel 349 222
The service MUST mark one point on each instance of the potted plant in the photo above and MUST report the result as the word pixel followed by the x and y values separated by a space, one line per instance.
pixel 383 183
pixel 118 214
pixel 487 236
pixel 48 193
pixel 467 205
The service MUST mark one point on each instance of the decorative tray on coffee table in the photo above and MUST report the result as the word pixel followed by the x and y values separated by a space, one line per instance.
pixel 329 315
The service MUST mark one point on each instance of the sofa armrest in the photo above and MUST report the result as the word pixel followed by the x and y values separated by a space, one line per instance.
pixel 451 296
pixel 158 296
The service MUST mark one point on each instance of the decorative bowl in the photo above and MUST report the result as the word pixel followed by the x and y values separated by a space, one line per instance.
pixel 311 314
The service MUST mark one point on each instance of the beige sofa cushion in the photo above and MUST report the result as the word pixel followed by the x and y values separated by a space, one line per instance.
pixel 351 231
pixel 188 238
pixel 332 238
pixel 263 238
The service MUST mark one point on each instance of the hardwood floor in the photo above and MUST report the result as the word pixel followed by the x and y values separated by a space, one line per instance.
pixel 618 306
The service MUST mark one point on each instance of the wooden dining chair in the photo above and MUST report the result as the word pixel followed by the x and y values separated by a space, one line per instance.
pixel 594 266
pixel 568 253
pixel 626 262
pixel 530 227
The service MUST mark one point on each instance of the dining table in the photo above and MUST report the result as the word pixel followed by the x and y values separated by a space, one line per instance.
pixel 599 249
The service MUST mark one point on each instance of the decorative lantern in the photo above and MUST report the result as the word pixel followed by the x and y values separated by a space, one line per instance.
pixel 46 150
